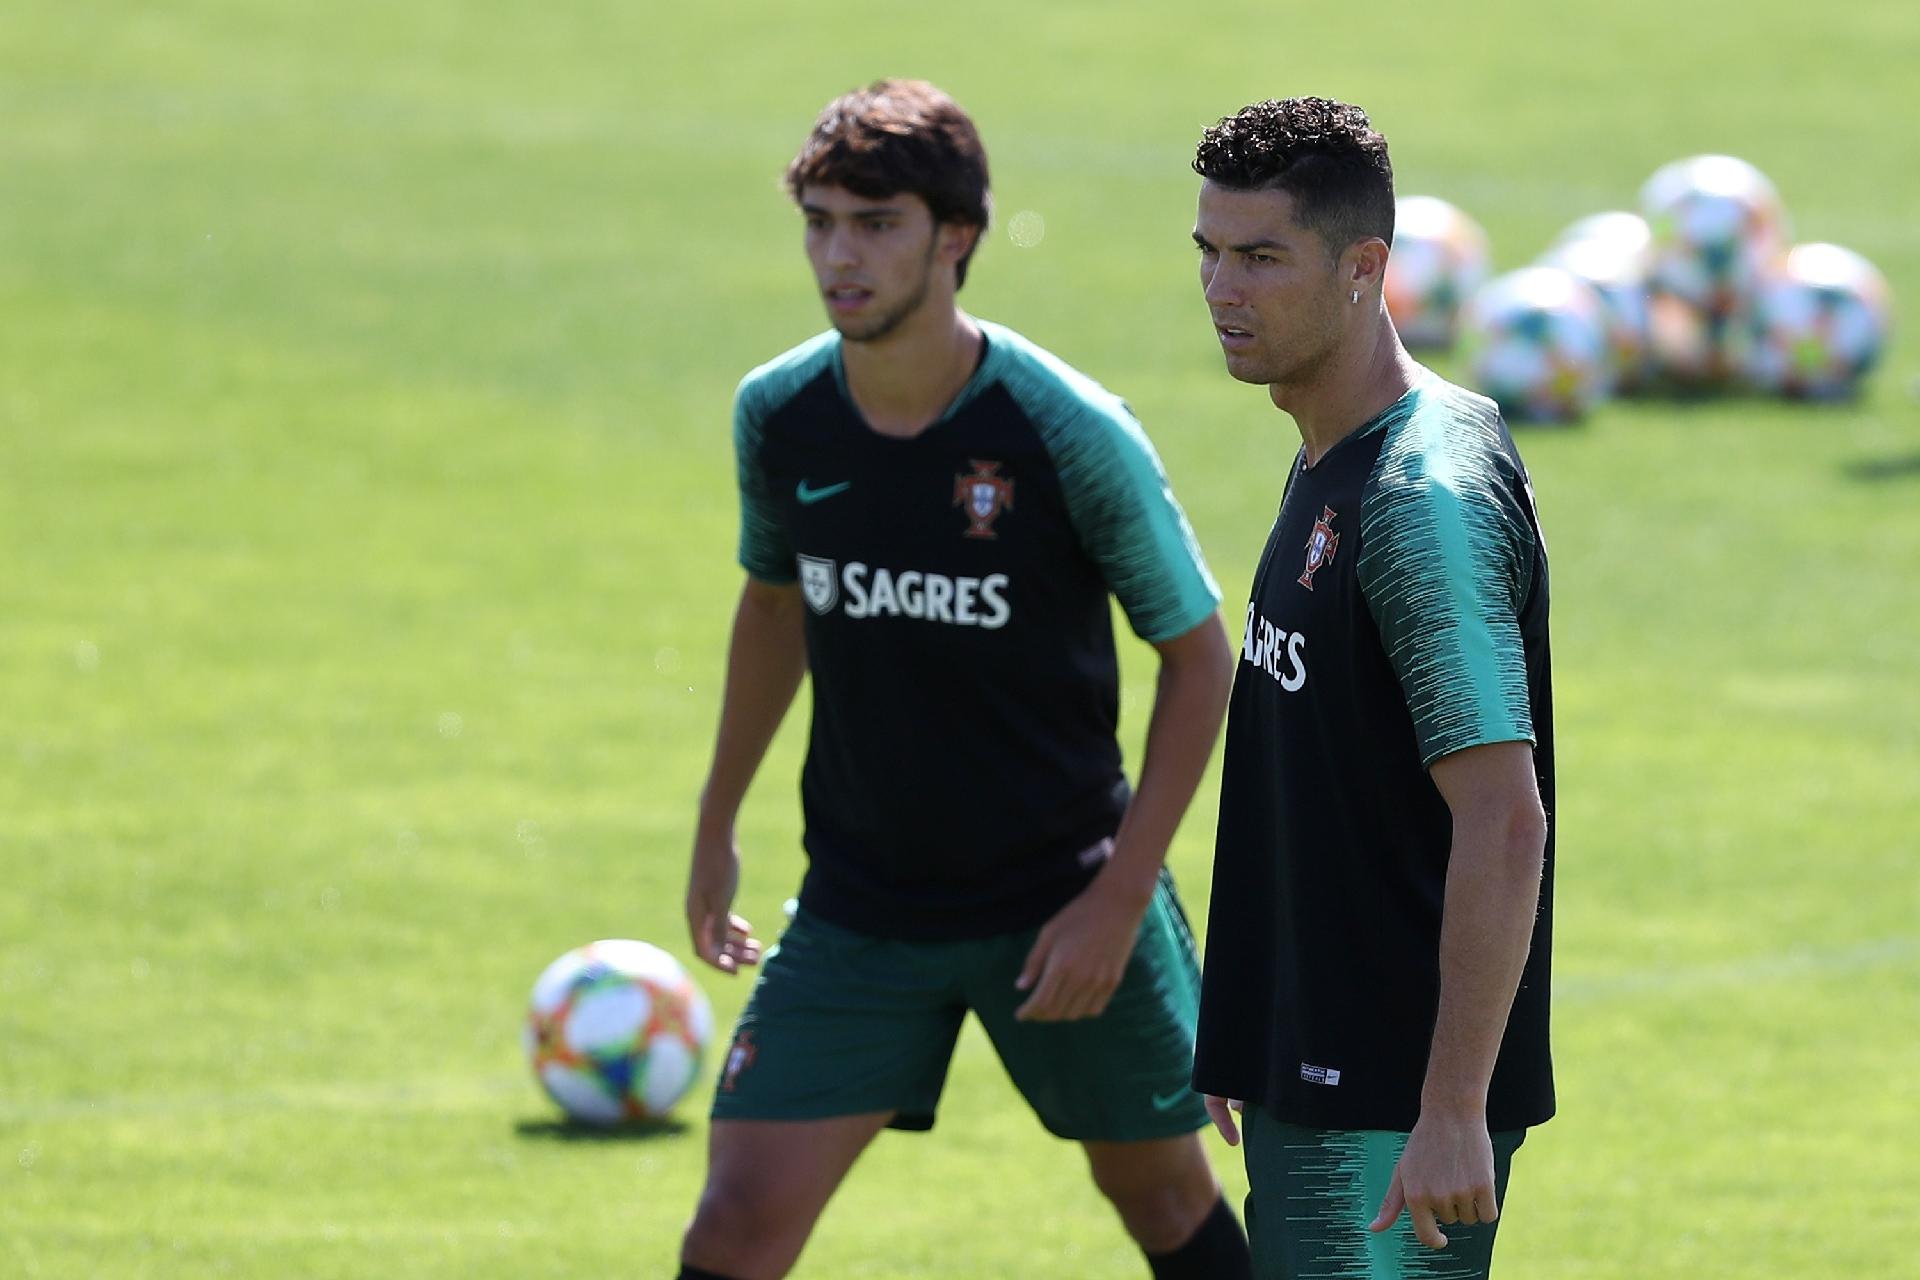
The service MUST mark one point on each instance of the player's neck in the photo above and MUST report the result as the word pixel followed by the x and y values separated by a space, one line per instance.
pixel 1350 390
pixel 903 383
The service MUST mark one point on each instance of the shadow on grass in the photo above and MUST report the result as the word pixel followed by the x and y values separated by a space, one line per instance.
pixel 1899 466
pixel 575 1131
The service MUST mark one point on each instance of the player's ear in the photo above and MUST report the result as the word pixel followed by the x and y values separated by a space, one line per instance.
pixel 957 240
pixel 1364 264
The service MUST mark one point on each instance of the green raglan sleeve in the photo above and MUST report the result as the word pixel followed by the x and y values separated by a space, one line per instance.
pixel 1445 560
pixel 765 550
pixel 1128 520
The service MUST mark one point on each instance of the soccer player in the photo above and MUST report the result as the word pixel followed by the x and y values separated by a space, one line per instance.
pixel 935 513
pixel 1375 1002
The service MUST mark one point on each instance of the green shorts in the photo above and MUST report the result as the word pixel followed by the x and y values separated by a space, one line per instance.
pixel 841 1023
pixel 1313 1192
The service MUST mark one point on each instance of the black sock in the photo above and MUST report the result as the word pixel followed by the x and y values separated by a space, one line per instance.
pixel 695 1273
pixel 1217 1250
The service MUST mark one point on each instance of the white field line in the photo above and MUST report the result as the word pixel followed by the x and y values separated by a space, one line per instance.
pixel 1796 962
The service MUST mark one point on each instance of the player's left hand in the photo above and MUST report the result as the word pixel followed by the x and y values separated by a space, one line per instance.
pixel 1444 1175
pixel 1079 958
pixel 1222 1112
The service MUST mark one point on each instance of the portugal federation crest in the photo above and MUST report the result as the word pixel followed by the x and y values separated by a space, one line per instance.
pixel 739 1058
pixel 818 583
pixel 983 494
pixel 1321 544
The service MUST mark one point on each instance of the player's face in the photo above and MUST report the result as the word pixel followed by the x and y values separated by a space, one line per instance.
pixel 1275 293
pixel 875 259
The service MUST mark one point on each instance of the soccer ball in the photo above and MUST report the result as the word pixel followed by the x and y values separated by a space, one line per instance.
pixel 1616 227
pixel 1819 322
pixel 1440 256
pixel 1716 222
pixel 616 1031
pixel 1609 252
pixel 1693 351
pixel 1536 341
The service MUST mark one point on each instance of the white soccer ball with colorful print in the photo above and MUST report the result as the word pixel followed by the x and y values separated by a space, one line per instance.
pixel 1439 257
pixel 1717 222
pixel 1694 352
pixel 1609 251
pixel 616 1031
pixel 1536 341
pixel 1819 322
pixel 1615 227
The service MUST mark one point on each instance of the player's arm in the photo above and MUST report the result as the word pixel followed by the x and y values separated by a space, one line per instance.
pixel 1129 522
pixel 765 661
pixel 1492 891
pixel 1189 702
pixel 1446 560
pixel 1081 953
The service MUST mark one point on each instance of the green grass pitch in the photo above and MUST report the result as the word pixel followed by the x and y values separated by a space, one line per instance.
pixel 367 531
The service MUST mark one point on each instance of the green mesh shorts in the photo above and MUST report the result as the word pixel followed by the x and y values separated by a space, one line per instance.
pixel 841 1023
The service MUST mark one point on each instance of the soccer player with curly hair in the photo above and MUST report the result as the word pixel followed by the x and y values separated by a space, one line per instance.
pixel 1375 1001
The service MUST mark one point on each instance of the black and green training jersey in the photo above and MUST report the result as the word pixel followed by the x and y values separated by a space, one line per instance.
pixel 962 769
pixel 1399 613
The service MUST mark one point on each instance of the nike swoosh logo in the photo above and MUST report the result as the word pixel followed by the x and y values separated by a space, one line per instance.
pixel 1167 1102
pixel 809 496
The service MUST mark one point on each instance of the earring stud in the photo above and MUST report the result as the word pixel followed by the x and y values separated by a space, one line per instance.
pixel 1356 295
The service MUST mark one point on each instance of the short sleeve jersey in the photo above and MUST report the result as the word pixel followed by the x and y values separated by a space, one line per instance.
pixel 1399 614
pixel 962 769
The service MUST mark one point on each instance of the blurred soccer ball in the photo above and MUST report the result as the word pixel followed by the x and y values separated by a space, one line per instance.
pixel 1820 319
pixel 1628 231
pixel 1694 352
pixel 1610 251
pixel 616 1031
pixel 1440 256
pixel 1536 341
pixel 1716 222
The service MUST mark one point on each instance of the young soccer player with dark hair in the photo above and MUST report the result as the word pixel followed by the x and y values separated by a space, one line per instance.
pixel 1375 1004
pixel 935 514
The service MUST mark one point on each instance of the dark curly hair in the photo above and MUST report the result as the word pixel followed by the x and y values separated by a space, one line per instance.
pixel 1326 155
pixel 899 136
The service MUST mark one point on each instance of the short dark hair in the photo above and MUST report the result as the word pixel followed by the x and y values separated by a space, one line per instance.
pixel 1326 155
pixel 899 136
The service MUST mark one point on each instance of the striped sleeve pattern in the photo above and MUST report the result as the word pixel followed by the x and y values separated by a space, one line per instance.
pixel 1446 554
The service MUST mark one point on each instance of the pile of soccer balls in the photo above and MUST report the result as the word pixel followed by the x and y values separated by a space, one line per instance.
pixel 1698 293
pixel 616 1032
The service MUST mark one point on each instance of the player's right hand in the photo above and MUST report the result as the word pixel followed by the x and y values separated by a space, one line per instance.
pixel 720 938
pixel 1221 1111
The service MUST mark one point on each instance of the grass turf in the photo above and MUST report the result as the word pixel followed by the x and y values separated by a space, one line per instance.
pixel 365 484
